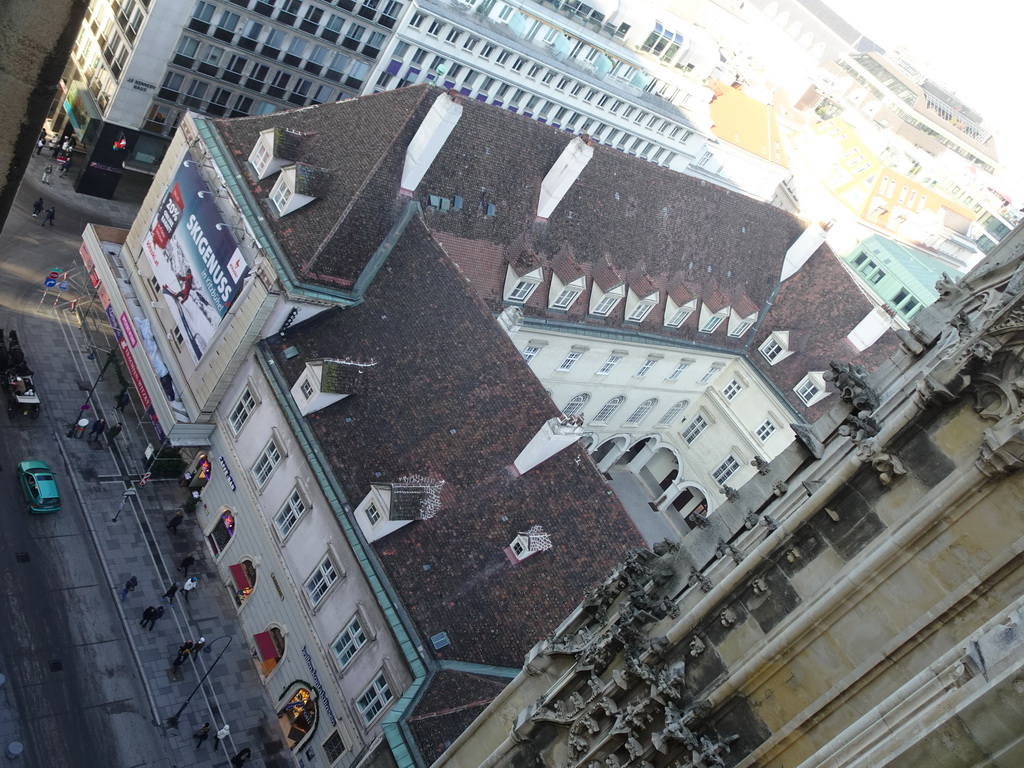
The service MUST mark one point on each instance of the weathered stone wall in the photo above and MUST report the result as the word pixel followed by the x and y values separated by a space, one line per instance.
pixel 36 37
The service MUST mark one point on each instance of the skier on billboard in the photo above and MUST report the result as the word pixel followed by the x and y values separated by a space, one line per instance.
pixel 186 287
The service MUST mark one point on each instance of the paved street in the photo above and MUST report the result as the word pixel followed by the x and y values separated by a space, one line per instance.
pixel 86 685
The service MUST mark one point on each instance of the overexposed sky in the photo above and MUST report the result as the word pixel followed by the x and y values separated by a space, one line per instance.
pixel 972 46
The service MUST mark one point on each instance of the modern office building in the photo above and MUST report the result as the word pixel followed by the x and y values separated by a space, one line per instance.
pixel 403 337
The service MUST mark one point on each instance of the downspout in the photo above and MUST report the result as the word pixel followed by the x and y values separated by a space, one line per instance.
pixel 399 740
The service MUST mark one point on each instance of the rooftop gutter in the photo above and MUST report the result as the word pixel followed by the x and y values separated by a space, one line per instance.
pixel 423 669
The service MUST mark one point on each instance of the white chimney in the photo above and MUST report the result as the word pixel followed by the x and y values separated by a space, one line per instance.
pixel 554 435
pixel 433 132
pixel 563 173
pixel 800 251
pixel 870 329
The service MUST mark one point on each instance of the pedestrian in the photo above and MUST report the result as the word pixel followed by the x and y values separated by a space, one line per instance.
pixel 168 596
pixel 50 213
pixel 97 429
pixel 175 521
pixel 199 645
pixel 179 659
pixel 56 147
pixel 122 399
pixel 156 615
pixel 187 562
pixel 148 616
pixel 39 146
pixel 114 432
pixel 65 167
pixel 47 171
pixel 239 760
pixel 202 734
pixel 221 734
pixel 189 586
pixel 129 586
pixel 37 208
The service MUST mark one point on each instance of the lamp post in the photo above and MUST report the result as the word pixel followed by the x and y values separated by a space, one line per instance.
pixel 129 492
pixel 172 721
pixel 111 355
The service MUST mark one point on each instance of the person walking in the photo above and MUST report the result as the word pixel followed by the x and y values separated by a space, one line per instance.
pixel 239 760
pixel 48 217
pixel 199 645
pixel 157 613
pixel 168 596
pixel 187 562
pixel 129 586
pixel 37 208
pixel 114 432
pixel 175 521
pixel 98 427
pixel 122 399
pixel 47 172
pixel 148 616
pixel 221 735
pixel 202 734
pixel 189 586
pixel 39 145
pixel 179 659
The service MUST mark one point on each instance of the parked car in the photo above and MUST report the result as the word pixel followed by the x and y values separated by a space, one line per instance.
pixel 39 485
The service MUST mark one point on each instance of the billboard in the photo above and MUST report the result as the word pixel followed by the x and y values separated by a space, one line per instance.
pixel 199 266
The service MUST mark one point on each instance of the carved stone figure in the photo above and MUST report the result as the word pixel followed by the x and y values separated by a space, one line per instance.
pixel 851 381
pixel 730 493
pixel 697 647
pixel 763 467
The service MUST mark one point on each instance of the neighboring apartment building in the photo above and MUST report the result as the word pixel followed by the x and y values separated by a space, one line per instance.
pixel 860 606
pixel 318 304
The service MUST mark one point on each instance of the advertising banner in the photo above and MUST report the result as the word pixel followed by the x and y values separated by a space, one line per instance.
pixel 198 264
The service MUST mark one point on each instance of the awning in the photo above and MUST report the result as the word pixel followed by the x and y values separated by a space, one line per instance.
pixel 265 644
pixel 240 576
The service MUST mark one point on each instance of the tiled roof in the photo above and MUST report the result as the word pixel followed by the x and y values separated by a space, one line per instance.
pixel 450 397
pixel 343 378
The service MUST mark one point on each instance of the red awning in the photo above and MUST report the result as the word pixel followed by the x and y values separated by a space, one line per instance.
pixel 265 643
pixel 239 575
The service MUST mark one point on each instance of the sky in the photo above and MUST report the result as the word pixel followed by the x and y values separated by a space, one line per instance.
pixel 968 46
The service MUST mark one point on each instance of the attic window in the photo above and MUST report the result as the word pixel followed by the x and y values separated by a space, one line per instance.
pixel 282 194
pixel 775 348
pixel 711 323
pixel 527 544
pixel 676 315
pixel 740 325
pixel 811 388
pixel 307 389
pixel 457 205
pixel 562 296
pixel 637 309
pixel 492 210
pixel 711 319
pixel 260 158
pixel 519 288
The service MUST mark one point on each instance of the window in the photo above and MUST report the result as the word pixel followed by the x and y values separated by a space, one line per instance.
pixel 290 513
pixel 575 405
pixel 645 368
pixel 742 327
pixel 435 28
pixel 377 696
pixel 373 514
pixel 807 390
pixel 320 580
pixel 204 12
pixel 678 317
pixel 281 195
pixel 264 466
pixel 609 365
pixel 606 305
pixel 307 389
pixel 771 349
pixel 712 371
pixel 334 747
pixel 453 35
pixel 351 639
pixel 570 361
pixel 240 413
pixel 766 430
pixel 732 389
pixel 487 50
pixel 679 369
pixel 694 429
pixel 642 411
pixel 505 12
pixel 609 409
pixel 417 20
pixel 353 36
pixel 522 291
pixel 712 322
pixel 530 352
pixel 565 299
pixel 471 43
pixel 673 413
pixel 725 470
pixel 640 311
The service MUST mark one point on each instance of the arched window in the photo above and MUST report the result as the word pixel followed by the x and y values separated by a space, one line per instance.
pixel 610 408
pixel 642 411
pixel 244 576
pixel 576 404
pixel 270 647
pixel 222 532
pixel 298 717
pixel 673 413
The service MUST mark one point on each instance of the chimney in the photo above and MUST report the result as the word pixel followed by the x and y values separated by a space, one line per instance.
pixel 804 247
pixel 870 329
pixel 556 434
pixel 433 132
pixel 511 320
pixel 563 173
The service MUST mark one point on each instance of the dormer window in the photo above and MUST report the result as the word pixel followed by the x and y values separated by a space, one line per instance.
pixel 638 309
pixel 563 296
pixel 519 288
pixel 281 195
pixel 710 319
pixel 260 158
pixel 676 315
pixel 527 544
pixel 602 303
pixel 775 348
pixel 307 389
pixel 811 388
pixel 740 325
pixel 271 152
pixel 296 186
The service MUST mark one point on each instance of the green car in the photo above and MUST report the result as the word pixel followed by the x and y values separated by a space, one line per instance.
pixel 39 486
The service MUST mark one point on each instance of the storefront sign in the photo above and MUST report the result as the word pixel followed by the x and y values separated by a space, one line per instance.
pixel 129 330
pixel 325 700
pixel 227 474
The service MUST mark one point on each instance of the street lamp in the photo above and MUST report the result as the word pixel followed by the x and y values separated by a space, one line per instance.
pixel 111 356
pixel 129 492
pixel 172 721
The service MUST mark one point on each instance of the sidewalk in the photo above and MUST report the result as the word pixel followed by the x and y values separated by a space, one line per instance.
pixel 139 543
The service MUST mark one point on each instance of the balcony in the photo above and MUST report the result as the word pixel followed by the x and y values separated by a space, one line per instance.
pixel 196 25
pixel 264 9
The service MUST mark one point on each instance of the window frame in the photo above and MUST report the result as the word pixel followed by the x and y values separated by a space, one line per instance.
pixel 241 404
pixel 265 460
pixel 732 389
pixel 360 632
pixel 290 513
pixel 609 365
pixel 571 358
pixel 697 426
pixel 609 409
pixel 765 430
pixel 728 467
pixel 326 574
pixel 373 696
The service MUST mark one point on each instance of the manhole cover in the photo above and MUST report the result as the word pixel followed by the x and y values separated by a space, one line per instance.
pixel 21 557
pixel 56 665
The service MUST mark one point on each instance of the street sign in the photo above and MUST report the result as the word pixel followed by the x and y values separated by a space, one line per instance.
pixel 50 282
pixel 64 285
pixel 54 274
pixel 145 478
